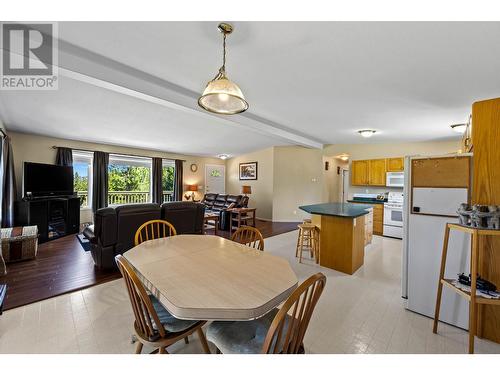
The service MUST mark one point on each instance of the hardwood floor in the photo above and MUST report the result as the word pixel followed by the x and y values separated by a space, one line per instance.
pixel 62 266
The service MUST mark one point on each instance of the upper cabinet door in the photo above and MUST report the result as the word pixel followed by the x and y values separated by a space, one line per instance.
pixel 359 173
pixel 395 164
pixel 377 171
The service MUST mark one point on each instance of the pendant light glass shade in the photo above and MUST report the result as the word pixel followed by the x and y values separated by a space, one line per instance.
pixel 223 96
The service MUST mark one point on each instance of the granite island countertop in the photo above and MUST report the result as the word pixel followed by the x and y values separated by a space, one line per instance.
pixel 367 201
pixel 348 210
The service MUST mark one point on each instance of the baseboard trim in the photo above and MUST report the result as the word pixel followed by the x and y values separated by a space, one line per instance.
pixel 262 219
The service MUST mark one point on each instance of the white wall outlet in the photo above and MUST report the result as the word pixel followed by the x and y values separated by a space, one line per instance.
pixel 295 212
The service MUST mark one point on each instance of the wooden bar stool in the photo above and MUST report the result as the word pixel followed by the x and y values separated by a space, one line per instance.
pixel 316 233
pixel 308 239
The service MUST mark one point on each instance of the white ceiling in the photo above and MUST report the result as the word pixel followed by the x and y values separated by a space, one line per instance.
pixel 84 112
pixel 320 81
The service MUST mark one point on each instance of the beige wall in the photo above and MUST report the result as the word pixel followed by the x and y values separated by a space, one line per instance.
pixel 262 188
pixel 28 147
pixel 375 151
pixel 298 180
pixel 288 177
pixel 382 150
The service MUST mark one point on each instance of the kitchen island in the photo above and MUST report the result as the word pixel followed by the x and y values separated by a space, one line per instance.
pixel 342 234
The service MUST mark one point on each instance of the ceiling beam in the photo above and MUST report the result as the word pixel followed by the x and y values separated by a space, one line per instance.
pixel 91 68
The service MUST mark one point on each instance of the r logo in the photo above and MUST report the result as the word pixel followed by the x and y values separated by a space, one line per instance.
pixel 28 49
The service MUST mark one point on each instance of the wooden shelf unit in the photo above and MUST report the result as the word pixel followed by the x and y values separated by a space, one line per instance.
pixel 480 300
pixel 475 302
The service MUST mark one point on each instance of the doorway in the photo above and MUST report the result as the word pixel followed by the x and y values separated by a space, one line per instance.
pixel 215 178
pixel 345 184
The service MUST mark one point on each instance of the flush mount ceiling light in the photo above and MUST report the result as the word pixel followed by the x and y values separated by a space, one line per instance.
pixel 343 157
pixel 222 96
pixel 459 128
pixel 367 133
pixel 223 156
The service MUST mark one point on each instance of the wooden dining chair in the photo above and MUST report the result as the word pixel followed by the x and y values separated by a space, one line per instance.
pixel 249 236
pixel 154 325
pixel 153 229
pixel 278 332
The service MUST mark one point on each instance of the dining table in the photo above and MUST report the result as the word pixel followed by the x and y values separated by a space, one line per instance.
pixel 205 277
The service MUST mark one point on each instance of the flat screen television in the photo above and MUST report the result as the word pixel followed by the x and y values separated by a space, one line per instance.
pixel 41 180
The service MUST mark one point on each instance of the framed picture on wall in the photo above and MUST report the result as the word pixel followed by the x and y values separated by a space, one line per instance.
pixel 248 171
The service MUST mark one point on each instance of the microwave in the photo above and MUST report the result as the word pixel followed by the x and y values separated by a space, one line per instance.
pixel 395 179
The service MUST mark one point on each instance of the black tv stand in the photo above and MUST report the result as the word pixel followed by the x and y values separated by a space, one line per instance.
pixel 55 216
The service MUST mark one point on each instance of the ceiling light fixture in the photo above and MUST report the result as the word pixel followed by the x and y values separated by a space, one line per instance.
pixel 343 157
pixel 223 156
pixel 459 128
pixel 222 96
pixel 367 133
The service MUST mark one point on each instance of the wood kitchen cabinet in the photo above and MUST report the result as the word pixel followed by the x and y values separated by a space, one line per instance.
pixel 376 172
pixel 376 218
pixel 395 164
pixel 373 172
pixel 359 172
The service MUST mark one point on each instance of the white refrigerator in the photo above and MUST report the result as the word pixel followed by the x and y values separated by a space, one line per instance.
pixel 423 235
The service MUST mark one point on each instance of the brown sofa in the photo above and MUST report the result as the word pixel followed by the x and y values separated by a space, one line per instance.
pixel 114 227
pixel 220 203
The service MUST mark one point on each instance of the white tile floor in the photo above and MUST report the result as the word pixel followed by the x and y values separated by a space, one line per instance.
pixel 362 313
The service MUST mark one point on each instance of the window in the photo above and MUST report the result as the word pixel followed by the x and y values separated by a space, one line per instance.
pixel 82 176
pixel 167 180
pixel 129 179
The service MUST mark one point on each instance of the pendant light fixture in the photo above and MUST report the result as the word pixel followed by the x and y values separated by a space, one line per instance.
pixel 222 96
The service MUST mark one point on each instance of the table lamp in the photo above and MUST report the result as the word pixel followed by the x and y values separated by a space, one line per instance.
pixel 192 189
pixel 246 189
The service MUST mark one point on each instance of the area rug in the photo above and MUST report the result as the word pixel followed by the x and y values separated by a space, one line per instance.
pixel 84 242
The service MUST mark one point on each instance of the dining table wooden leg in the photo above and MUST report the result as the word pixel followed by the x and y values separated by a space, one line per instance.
pixel 203 341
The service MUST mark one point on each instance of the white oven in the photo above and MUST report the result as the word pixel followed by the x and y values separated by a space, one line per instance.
pixel 395 179
pixel 393 215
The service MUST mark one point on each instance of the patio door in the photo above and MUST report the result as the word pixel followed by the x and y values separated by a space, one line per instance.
pixel 215 178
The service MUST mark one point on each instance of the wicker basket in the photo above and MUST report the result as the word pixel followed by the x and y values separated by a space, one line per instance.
pixel 19 243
